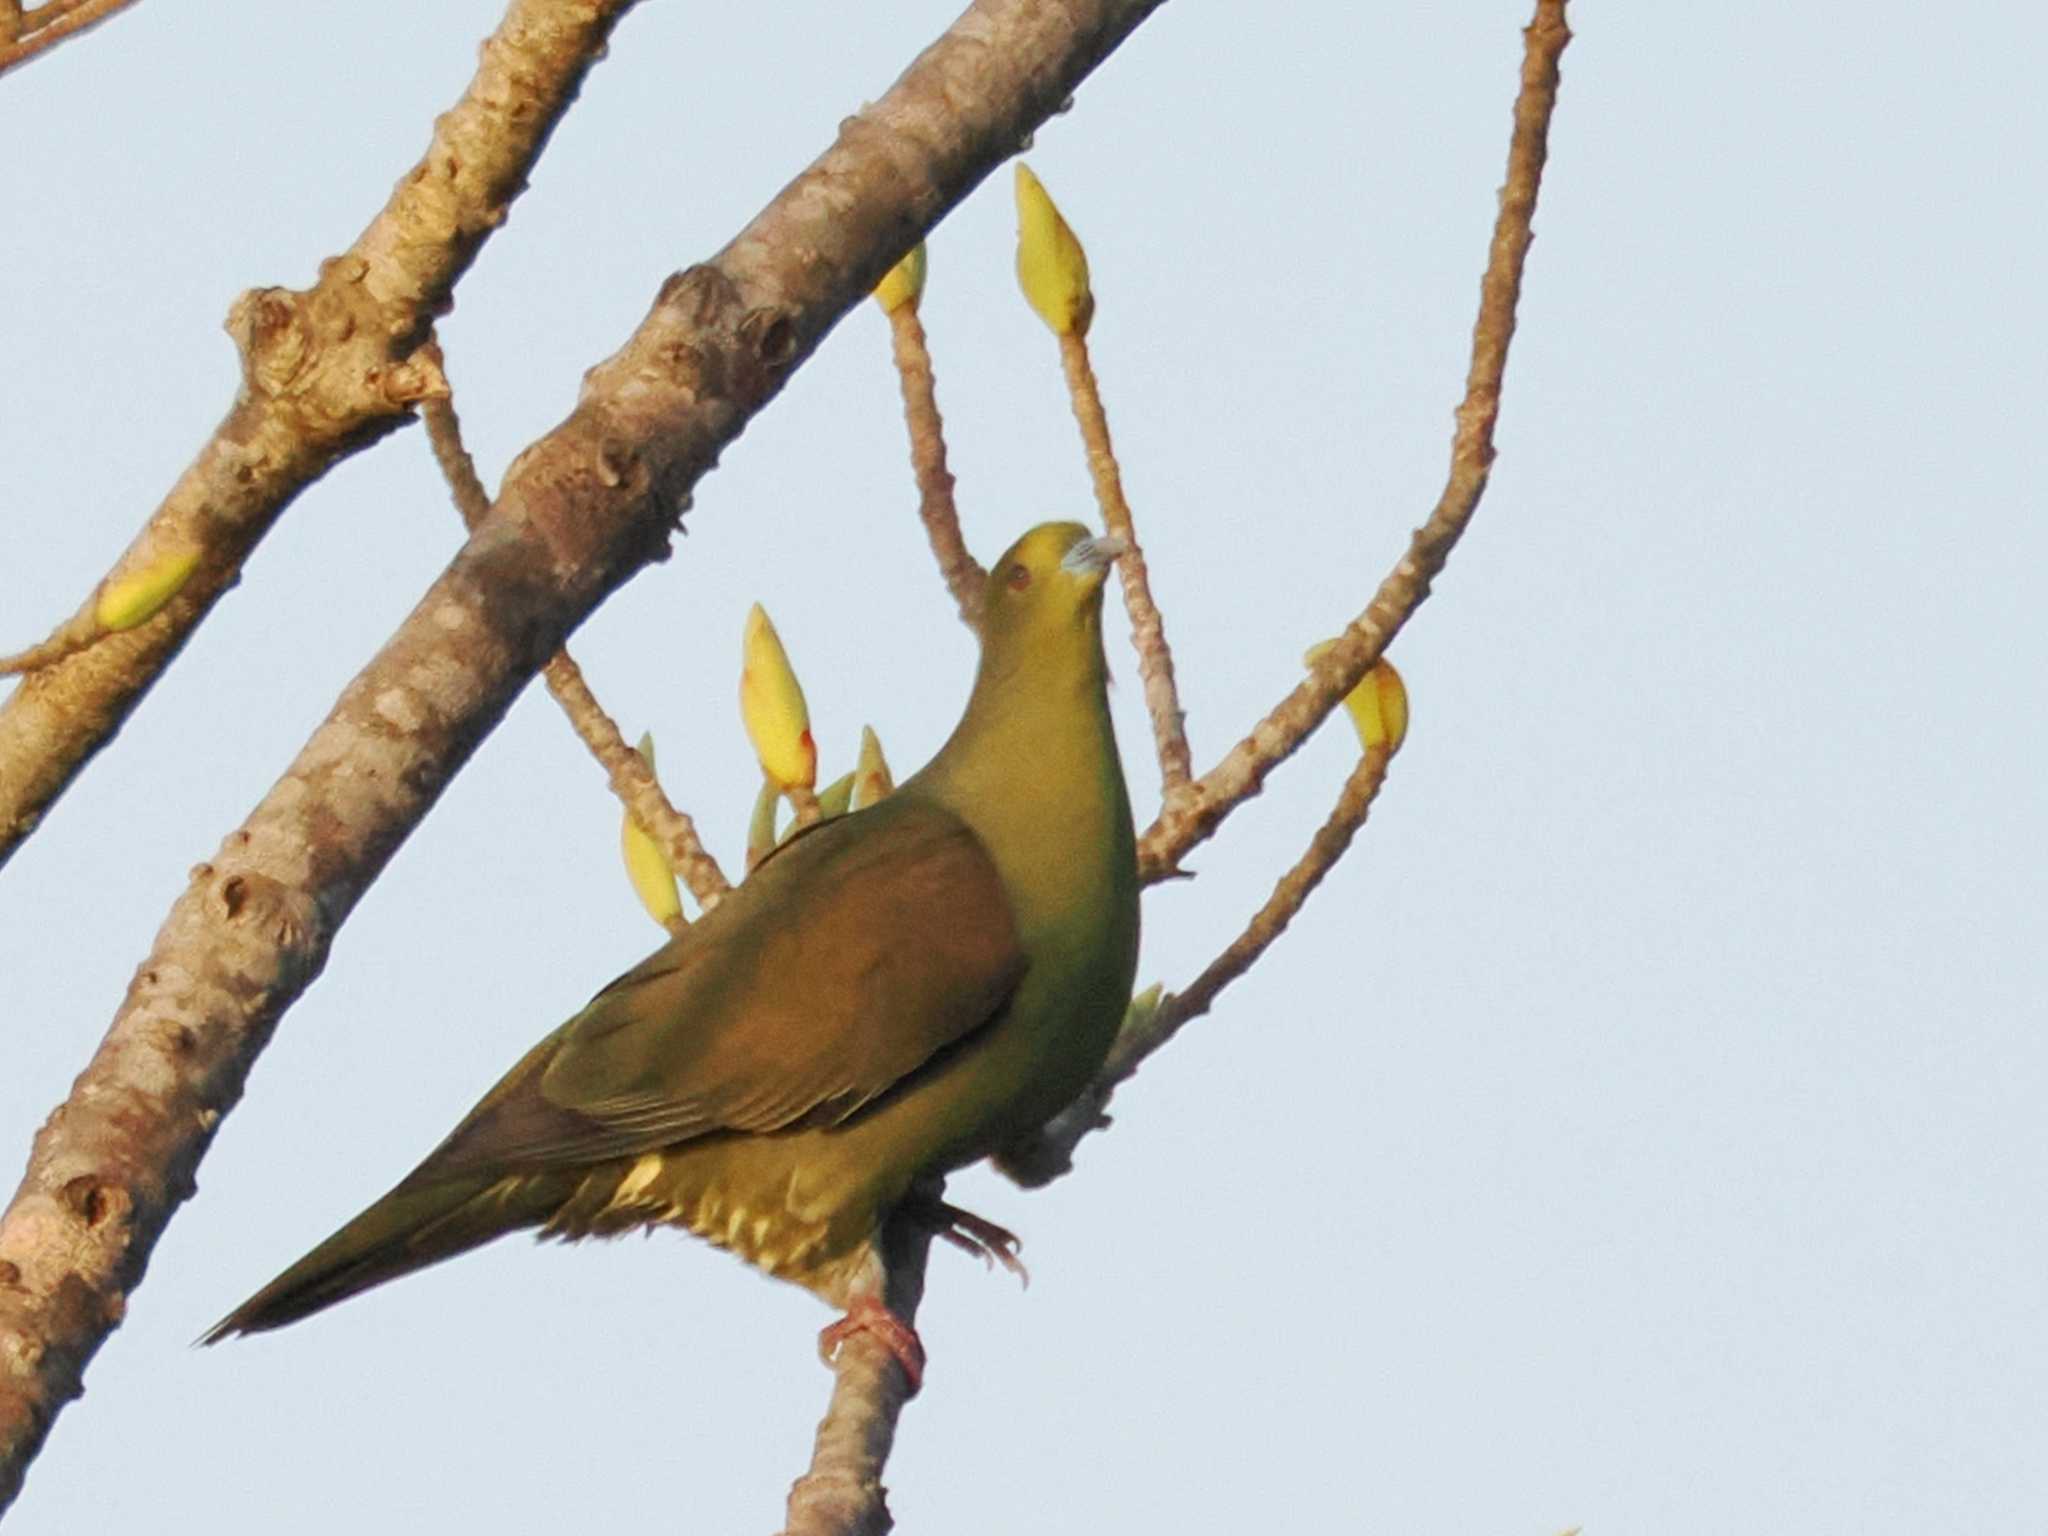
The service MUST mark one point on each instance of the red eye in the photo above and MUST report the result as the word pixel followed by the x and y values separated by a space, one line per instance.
pixel 1018 578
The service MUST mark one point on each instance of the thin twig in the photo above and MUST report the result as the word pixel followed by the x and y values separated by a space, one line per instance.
pixel 75 634
pixel 1148 631
pixel 1331 839
pixel 458 469
pixel 1244 768
pixel 581 510
pixel 803 805
pixel 635 784
pixel 325 372
pixel 1048 1155
pixel 963 573
pixel 49 24
pixel 631 779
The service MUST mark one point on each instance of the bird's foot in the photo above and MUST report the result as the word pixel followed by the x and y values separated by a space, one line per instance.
pixel 977 1235
pixel 867 1314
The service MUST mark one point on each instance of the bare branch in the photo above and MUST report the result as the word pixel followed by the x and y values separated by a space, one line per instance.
pixel 635 784
pixel 631 780
pixel 1332 838
pixel 1244 768
pixel 1148 631
pixel 962 572
pixel 24 34
pixel 841 1494
pixel 1050 1154
pixel 458 469
pixel 325 372
pixel 580 511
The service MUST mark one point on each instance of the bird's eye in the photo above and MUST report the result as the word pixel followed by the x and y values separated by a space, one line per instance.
pixel 1018 578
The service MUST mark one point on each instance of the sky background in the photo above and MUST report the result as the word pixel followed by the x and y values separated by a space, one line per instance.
pixel 1642 1129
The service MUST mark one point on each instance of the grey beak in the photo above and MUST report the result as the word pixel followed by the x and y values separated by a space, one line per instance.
pixel 1093 556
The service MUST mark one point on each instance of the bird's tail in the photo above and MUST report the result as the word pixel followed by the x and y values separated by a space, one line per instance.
pixel 417 1224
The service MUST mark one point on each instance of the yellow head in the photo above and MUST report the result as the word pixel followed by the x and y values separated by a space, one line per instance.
pixel 1047 588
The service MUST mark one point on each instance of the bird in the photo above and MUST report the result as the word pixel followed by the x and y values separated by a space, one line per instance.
pixel 890 996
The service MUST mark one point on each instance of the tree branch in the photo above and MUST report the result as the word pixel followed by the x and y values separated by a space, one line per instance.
pixel 24 34
pixel 579 512
pixel 841 1493
pixel 635 784
pixel 1243 769
pixel 962 572
pixel 325 372
pixel 1148 630
pixel 625 770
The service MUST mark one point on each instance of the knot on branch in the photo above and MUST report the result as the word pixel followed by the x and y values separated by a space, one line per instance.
pixel 275 347
pixel 94 1202
pixel 696 294
pixel 340 361
pixel 769 335
pixel 412 381
pixel 267 909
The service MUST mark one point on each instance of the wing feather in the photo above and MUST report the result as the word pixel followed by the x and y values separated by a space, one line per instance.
pixel 842 966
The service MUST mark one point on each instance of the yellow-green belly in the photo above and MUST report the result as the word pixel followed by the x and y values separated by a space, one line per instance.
pixel 804 1205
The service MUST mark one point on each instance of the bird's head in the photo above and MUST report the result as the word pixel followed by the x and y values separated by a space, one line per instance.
pixel 1048 583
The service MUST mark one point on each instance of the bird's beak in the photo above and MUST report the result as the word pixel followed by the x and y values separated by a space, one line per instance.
pixel 1091 557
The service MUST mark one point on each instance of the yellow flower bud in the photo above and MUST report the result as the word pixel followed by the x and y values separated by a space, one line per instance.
pixel 903 283
pixel 1378 705
pixel 772 705
pixel 871 777
pixel 135 598
pixel 1052 269
pixel 647 865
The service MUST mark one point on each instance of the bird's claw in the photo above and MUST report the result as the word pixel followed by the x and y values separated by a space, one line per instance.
pixel 979 1236
pixel 867 1315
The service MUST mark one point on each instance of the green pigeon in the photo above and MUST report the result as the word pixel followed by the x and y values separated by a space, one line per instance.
pixel 892 995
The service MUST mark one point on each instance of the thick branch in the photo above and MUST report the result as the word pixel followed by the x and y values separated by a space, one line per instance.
pixel 325 372
pixel 625 770
pixel 1243 769
pixel 579 511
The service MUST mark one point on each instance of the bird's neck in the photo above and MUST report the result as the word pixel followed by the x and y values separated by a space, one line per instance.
pixel 1033 767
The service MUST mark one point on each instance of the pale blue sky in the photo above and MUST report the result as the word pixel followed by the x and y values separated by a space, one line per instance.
pixel 1643 1128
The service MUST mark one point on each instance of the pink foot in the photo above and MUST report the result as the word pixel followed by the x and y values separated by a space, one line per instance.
pixel 979 1236
pixel 865 1314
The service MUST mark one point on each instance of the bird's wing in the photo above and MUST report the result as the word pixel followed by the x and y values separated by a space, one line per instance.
pixel 840 967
